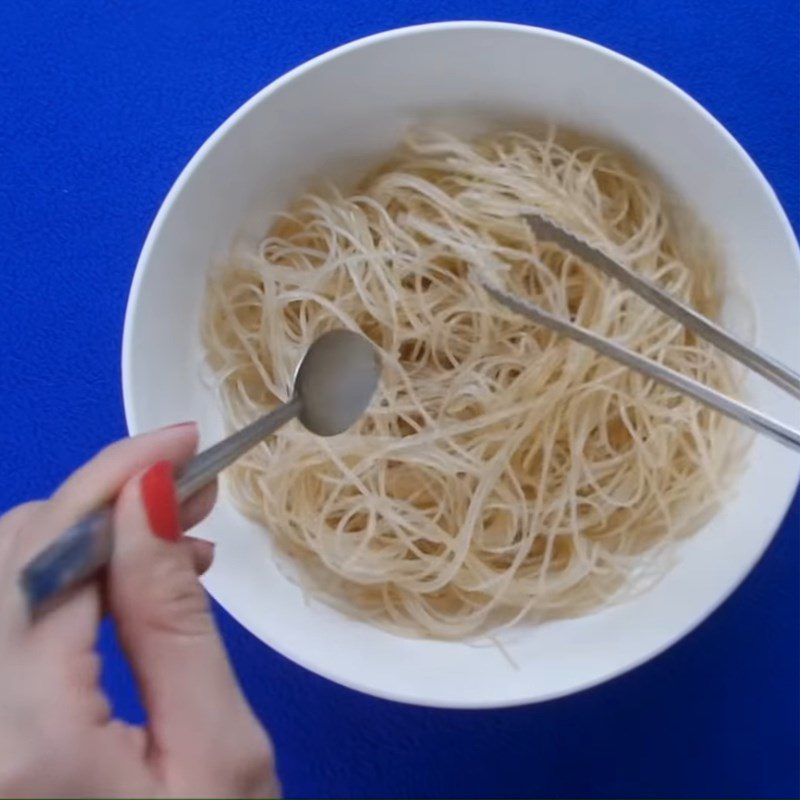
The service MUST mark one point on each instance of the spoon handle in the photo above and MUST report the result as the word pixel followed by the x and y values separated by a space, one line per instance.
pixel 85 548
pixel 205 466
pixel 77 554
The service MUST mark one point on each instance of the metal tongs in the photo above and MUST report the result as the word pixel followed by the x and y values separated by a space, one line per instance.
pixel 761 363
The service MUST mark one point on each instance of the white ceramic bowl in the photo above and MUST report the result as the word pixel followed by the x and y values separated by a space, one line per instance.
pixel 335 116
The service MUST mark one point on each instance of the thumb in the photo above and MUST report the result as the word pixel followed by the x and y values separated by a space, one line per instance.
pixel 166 628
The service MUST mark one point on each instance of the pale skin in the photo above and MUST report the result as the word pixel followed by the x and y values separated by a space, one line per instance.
pixel 58 736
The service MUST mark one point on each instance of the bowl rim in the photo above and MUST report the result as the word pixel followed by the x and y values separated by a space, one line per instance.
pixel 130 403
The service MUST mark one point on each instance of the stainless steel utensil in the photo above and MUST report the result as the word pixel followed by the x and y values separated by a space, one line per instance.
pixel 771 369
pixel 333 386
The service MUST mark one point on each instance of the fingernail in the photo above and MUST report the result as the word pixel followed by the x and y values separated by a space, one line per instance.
pixel 178 425
pixel 157 486
pixel 203 552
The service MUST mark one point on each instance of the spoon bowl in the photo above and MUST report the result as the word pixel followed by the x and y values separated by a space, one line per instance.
pixel 336 381
pixel 333 386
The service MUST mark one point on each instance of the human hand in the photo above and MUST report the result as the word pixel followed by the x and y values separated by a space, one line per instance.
pixel 57 734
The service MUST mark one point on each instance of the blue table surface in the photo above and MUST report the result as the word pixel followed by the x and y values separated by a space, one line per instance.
pixel 101 105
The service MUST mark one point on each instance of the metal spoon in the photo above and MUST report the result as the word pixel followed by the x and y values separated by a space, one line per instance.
pixel 333 387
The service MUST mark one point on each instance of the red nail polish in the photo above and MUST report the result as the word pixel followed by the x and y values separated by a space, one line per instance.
pixel 157 486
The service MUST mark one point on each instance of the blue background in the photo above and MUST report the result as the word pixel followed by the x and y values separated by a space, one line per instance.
pixel 101 105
